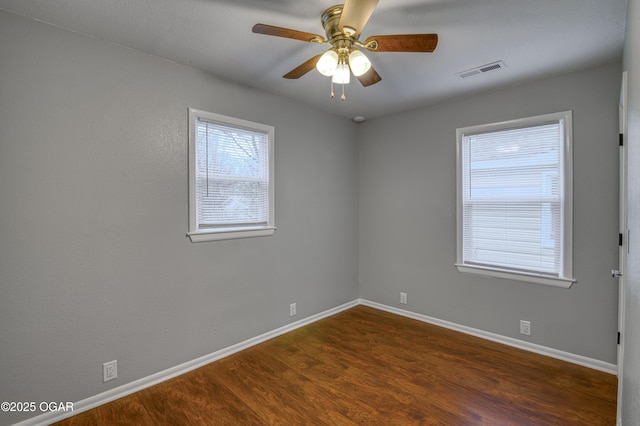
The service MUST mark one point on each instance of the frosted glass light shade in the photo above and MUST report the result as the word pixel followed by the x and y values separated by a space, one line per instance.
pixel 327 63
pixel 359 63
pixel 342 74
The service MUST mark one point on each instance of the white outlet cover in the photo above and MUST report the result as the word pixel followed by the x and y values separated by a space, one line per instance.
pixel 525 328
pixel 109 370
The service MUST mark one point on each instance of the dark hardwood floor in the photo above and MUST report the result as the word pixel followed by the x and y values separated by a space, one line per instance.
pixel 365 366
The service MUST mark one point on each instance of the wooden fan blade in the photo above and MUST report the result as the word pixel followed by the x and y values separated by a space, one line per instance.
pixel 355 15
pixel 403 43
pixel 302 69
pixel 370 77
pixel 286 33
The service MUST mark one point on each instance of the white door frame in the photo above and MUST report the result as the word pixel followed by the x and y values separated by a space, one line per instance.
pixel 624 247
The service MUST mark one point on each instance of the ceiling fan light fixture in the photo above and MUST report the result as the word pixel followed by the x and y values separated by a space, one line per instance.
pixel 359 63
pixel 327 63
pixel 343 25
pixel 342 74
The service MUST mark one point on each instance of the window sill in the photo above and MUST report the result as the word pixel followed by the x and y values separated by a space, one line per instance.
pixel 517 276
pixel 230 234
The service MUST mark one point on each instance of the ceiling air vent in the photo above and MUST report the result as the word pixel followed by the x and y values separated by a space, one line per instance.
pixel 494 66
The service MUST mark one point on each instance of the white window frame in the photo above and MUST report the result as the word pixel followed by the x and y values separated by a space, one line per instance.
pixel 565 278
pixel 198 234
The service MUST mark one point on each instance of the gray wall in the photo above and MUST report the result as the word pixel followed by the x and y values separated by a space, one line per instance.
pixel 631 368
pixel 94 261
pixel 408 222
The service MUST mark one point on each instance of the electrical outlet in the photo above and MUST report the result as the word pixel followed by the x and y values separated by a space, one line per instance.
pixel 403 298
pixel 292 309
pixel 525 327
pixel 109 370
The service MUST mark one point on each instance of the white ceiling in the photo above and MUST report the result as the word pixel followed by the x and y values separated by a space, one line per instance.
pixel 534 38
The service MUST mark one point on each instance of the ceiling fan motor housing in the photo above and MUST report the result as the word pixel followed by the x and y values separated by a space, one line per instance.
pixel 331 20
pixel 341 41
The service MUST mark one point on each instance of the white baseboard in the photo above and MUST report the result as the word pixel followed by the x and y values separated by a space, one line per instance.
pixel 154 379
pixel 520 344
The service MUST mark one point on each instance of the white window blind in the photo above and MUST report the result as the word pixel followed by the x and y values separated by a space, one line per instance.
pixel 513 199
pixel 231 177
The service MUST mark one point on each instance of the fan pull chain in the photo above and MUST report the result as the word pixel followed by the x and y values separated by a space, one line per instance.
pixel 333 95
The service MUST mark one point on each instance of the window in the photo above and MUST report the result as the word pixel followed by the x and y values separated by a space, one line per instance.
pixel 514 208
pixel 230 178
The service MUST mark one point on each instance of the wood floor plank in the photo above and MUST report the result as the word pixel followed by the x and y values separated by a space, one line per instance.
pixel 365 366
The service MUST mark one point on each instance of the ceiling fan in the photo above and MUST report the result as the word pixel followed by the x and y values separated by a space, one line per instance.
pixel 343 25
